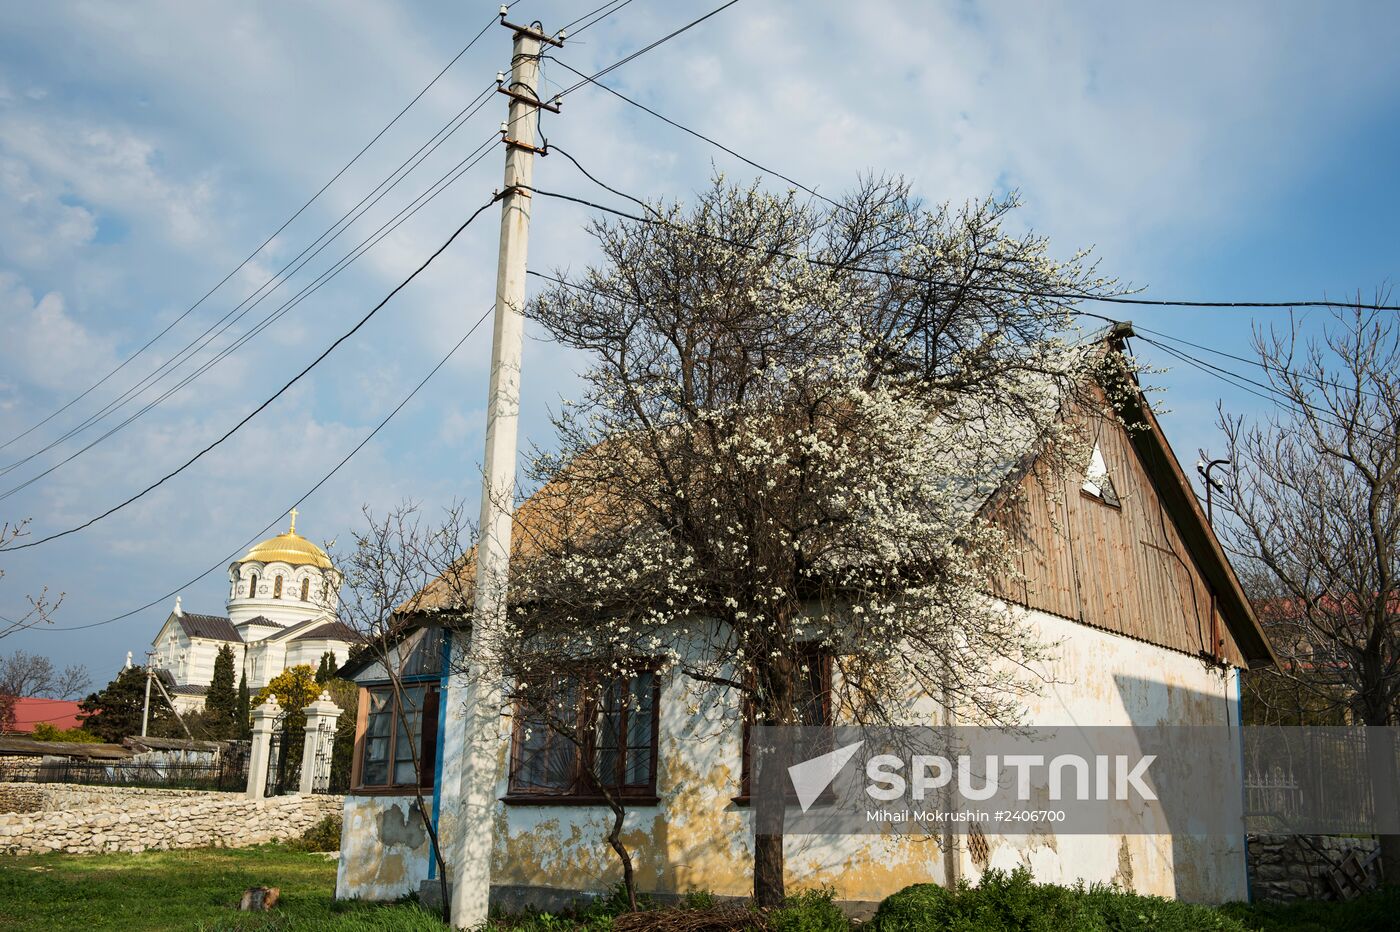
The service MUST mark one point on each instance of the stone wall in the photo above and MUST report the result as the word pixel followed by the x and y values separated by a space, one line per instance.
pixel 1295 867
pixel 89 820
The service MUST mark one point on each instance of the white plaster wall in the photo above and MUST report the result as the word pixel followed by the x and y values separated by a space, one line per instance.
pixel 384 849
pixel 697 838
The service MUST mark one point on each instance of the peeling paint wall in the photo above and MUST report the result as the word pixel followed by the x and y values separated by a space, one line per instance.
pixel 697 838
pixel 384 848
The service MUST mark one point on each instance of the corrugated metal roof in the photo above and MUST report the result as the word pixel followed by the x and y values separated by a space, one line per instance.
pixel 213 627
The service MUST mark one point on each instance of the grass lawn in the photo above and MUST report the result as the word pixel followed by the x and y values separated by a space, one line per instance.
pixel 194 889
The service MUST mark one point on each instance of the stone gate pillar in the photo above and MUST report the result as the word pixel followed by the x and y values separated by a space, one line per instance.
pixel 321 717
pixel 264 721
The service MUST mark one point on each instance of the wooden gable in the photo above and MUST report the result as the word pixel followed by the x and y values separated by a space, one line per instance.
pixel 1147 566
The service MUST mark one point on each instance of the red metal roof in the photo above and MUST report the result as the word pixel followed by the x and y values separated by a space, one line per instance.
pixel 60 713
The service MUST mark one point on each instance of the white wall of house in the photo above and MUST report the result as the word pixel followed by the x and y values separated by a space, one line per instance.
pixel 697 838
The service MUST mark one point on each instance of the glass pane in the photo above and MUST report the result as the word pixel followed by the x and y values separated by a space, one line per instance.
pixel 375 766
pixel 408 732
pixel 547 760
pixel 640 716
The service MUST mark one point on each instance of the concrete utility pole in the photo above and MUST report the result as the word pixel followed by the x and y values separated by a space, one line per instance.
pixel 479 695
pixel 146 706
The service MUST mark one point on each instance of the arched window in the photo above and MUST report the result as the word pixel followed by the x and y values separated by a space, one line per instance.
pixel 325 590
pixel 252 585
pixel 277 587
pixel 305 589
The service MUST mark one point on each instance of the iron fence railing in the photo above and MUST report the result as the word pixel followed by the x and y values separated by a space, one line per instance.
pixel 231 776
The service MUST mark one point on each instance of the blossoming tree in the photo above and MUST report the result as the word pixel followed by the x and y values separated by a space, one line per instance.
pixel 794 417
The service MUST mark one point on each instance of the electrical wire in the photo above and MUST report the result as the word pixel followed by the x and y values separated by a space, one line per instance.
pixel 307 494
pixel 365 245
pixel 701 136
pixel 346 167
pixel 615 4
pixel 646 48
pixel 1269 393
pixel 996 289
pixel 215 330
pixel 252 414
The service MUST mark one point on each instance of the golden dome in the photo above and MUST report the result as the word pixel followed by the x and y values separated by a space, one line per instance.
pixel 290 548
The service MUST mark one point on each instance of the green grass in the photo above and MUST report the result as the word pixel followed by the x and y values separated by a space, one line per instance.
pixel 192 889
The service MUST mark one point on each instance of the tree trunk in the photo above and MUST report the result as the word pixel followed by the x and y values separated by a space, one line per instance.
pixel 629 881
pixel 768 870
pixel 774 707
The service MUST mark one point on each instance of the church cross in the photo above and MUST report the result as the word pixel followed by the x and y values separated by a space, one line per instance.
pixel 294 522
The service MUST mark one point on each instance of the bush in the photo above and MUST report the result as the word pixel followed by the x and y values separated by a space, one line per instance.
pixel 44 731
pixel 323 836
pixel 1014 903
pixel 809 911
pixel 1374 912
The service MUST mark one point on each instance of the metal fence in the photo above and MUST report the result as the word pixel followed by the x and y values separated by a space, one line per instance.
pixel 1323 778
pixel 229 776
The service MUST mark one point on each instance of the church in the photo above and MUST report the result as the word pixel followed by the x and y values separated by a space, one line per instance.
pixel 281 612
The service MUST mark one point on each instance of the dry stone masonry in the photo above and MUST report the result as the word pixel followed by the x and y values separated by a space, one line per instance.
pixel 1295 867
pixel 89 820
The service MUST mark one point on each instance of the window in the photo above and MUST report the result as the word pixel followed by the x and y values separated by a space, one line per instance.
pixel 277 588
pixel 613 744
pixel 390 741
pixel 305 589
pixel 252 585
pixel 1097 483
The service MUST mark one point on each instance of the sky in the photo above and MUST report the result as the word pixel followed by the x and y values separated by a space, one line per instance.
pixel 1205 151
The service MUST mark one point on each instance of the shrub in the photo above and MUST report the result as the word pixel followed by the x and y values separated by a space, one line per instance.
pixel 699 899
pixel 1374 912
pixel 323 836
pixel 809 911
pixel 1013 902
pixel 44 731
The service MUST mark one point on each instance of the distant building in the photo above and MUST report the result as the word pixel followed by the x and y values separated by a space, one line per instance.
pixel 30 711
pixel 283 595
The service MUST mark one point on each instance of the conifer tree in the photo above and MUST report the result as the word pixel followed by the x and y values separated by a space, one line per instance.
pixel 221 699
pixel 244 731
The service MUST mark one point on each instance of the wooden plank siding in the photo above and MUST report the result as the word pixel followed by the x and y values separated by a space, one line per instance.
pixel 1124 569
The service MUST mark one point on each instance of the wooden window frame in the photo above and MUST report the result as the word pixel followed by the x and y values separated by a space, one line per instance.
pixel 579 792
pixel 427 753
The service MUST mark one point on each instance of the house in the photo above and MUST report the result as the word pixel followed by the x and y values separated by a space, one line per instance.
pixel 283 595
pixel 1119 569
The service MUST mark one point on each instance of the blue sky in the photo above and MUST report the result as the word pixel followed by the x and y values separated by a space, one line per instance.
pixel 1231 151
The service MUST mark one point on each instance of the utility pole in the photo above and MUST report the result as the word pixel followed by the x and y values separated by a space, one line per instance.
pixel 146 706
pixel 479 695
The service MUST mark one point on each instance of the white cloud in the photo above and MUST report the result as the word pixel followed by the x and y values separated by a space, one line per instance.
pixel 44 345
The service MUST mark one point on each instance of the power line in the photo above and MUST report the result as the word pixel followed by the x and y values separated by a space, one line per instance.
pixel 615 4
pixel 229 433
pixel 997 289
pixel 701 136
pixel 215 330
pixel 307 494
pixel 346 167
pixel 1269 393
pixel 646 48
pixel 1267 367
pixel 388 227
